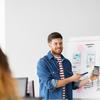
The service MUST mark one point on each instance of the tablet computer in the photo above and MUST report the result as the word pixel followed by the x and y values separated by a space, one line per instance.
pixel 96 70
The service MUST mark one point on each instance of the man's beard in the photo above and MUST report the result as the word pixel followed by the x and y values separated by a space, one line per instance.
pixel 56 53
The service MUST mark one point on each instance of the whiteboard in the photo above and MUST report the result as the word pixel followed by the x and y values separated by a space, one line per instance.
pixel 84 54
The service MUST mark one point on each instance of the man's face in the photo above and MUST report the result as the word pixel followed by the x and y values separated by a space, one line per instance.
pixel 56 46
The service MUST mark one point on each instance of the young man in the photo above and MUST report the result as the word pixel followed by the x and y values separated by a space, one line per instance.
pixel 55 74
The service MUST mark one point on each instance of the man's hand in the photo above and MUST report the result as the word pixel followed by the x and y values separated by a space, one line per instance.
pixel 93 77
pixel 76 77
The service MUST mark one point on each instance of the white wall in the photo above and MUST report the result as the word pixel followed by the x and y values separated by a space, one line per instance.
pixel 28 23
pixel 2 24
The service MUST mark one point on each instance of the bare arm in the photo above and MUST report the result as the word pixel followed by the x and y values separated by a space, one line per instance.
pixel 65 81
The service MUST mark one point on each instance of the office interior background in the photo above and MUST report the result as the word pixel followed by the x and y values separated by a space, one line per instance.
pixel 25 25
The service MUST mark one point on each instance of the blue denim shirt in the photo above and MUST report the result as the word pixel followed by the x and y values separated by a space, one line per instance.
pixel 48 73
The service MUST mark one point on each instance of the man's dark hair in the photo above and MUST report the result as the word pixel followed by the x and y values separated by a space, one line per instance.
pixel 54 35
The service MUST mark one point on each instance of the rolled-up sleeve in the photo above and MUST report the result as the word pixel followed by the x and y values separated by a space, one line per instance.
pixel 54 83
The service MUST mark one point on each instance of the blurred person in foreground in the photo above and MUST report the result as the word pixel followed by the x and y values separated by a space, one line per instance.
pixel 55 74
pixel 8 88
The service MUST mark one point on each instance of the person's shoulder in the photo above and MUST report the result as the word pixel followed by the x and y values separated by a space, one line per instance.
pixel 42 59
pixel 66 59
pixel 42 62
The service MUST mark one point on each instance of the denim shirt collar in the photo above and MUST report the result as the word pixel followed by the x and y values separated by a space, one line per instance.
pixel 50 56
